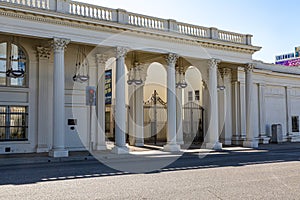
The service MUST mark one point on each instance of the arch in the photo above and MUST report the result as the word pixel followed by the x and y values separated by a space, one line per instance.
pixel 156 80
pixel 13 64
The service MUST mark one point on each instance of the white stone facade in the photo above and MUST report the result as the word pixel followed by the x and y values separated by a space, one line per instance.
pixel 256 95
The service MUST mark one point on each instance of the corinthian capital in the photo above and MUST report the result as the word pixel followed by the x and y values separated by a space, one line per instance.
pixel 59 44
pixel 43 52
pixel 101 59
pixel 172 58
pixel 213 63
pixel 250 67
pixel 121 52
pixel 225 72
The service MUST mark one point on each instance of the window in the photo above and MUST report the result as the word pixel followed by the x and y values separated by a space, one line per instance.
pixel 13 123
pixel 190 96
pixel 295 123
pixel 13 58
pixel 197 95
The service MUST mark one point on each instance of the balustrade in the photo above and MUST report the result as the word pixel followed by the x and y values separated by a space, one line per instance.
pixel 128 18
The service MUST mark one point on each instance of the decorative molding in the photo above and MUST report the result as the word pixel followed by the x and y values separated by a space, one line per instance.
pixel 121 52
pixel 213 63
pixel 43 52
pixel 172 58
pixel 77 22
pixel 59 44
pixel 101 59
pixel 250 67
pixel 225 73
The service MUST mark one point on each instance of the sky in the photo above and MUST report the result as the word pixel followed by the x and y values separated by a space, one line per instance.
pixel 273 23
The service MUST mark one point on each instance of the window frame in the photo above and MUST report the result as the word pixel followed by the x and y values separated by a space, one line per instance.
pixel 8 62
pixel 7 116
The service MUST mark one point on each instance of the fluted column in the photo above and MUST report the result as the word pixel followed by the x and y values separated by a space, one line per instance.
pixel 100 135
pixel 213 129
pixel 139 109
pixel 171 102
pixel 44 121
pixel 263 138
pixel 179 116
pixel 250 141
pixel 120 109
pixel 58 149
pixel 227 136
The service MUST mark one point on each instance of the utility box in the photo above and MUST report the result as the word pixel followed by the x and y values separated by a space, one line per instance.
pixel 277 133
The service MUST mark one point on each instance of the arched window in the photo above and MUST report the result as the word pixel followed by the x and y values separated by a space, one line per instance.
pixel 13 65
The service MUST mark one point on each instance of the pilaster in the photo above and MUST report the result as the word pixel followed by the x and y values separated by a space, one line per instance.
pixel 101 60
pixel 44 126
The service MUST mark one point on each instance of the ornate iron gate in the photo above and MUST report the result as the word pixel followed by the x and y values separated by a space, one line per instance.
pixel 193 122
pixel 155 119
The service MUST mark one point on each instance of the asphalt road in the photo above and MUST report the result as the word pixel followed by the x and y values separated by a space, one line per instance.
pixel 222 175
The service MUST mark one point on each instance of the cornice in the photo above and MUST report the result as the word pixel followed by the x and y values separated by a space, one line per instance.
pixel 74 21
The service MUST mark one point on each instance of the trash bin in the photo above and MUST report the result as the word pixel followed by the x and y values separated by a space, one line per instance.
pixel 277 133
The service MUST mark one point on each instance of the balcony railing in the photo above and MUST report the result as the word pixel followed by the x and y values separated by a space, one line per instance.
pixel 132 19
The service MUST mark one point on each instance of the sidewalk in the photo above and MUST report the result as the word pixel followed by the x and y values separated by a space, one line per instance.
pixel 149 151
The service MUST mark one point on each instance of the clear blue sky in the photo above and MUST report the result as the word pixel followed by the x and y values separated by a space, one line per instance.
pixel 273 23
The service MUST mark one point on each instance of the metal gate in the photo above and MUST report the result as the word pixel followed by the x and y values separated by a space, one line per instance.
pixel 193 122
pixel 155 119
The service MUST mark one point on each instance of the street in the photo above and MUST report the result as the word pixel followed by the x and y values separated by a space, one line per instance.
pixel 254 174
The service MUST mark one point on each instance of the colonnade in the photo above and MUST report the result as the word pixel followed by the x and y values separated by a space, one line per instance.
pixel 174 116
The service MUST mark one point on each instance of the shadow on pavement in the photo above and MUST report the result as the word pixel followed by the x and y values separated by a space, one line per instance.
pixel 91 168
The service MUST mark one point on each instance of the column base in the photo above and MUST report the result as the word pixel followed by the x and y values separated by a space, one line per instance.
pixel 171 148
pixel 214 146
pixel 120 150
pixel 264 140
pixel 226 141
pixel 237 140
pixel 250 144
pixel 42 149
pixel 139 144
pixel 101 147
pixel 294 138
pixel 58 153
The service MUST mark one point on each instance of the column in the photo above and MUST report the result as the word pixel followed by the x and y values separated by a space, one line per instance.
pixel 236 116
pixel 291 137
pixel 120 109
pixel 250 141
pixel 139 116
pixel 263 138
pixel 213 128
pixel 171 145
pixel 100 135
pixel 226 74
pixel 179 117
pixel 58 149
pixel 44 126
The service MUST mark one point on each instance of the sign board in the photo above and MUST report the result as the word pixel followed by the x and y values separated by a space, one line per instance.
pixel 290 63
pixel 108 87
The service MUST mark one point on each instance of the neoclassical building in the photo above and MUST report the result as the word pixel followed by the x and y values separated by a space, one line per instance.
pixel 74 76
